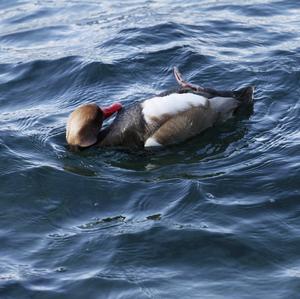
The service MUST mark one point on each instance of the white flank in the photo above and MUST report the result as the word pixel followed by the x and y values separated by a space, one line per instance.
pixel 224 106
pixel 151 142
pixel 221 104
pixel 171 104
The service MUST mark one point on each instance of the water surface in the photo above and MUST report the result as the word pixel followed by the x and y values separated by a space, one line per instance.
pixel 214 217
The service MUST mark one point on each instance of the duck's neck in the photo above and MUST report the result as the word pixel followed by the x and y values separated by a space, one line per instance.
pixel 102 135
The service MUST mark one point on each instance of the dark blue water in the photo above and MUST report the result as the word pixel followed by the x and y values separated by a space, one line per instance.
pixel 215 217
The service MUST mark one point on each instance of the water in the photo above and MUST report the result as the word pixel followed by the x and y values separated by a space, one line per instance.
pixel 215 217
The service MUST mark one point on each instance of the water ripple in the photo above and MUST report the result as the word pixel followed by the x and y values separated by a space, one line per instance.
pixel 213 217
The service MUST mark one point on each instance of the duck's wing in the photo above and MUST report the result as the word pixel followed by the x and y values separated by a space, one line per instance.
pixel 186 85
pixel 161 108
pixel 243 94
pixel 182 126
pixel 176 117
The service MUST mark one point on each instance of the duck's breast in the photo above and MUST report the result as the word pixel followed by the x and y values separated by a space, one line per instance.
pixel 127 130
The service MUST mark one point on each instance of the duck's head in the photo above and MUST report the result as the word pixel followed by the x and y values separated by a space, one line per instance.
pixel 85 122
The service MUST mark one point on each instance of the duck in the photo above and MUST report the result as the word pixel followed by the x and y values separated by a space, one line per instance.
pixel 165 119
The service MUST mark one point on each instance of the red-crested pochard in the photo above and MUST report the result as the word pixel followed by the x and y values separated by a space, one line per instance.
pixel 169 118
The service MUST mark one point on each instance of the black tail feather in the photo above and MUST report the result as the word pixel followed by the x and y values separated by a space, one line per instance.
pixel 245 95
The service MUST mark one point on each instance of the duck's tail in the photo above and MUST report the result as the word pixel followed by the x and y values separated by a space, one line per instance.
pixel 244 95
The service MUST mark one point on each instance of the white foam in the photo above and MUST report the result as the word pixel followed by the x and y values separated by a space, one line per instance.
pixel 171 104
pixel 152 142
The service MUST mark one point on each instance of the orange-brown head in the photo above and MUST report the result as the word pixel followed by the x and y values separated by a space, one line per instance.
pixel 85 122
